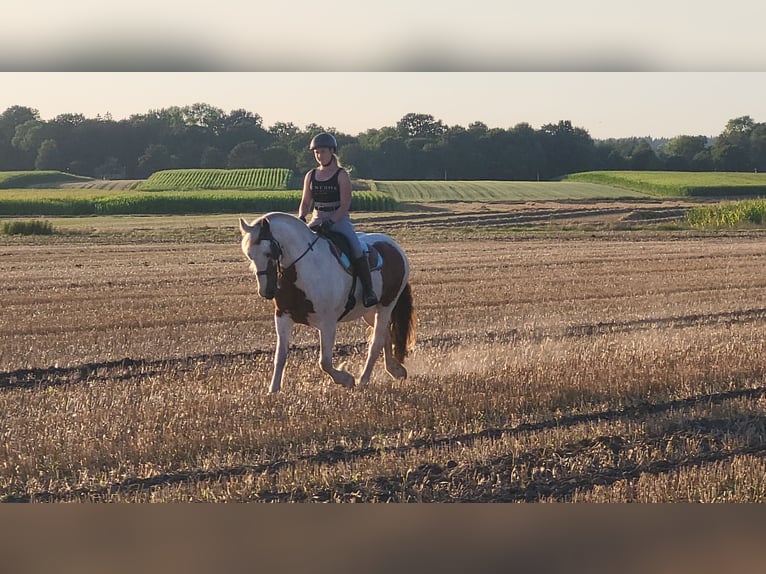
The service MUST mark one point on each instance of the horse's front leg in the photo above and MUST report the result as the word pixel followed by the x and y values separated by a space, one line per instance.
pixel 326 343
pixel 284 325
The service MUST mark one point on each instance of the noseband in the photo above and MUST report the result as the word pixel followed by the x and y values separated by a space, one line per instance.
pixel 275 252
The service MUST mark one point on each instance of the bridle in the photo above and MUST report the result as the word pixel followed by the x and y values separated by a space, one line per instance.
pixel 275 253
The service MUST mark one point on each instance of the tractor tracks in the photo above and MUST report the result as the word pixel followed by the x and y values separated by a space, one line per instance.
pixel 609 466
pixel 134 369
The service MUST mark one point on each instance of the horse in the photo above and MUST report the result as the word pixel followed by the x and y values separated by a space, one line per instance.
pixel 303 273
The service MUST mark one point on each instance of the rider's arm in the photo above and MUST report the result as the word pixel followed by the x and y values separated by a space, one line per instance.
pixel 344 182
pixel 305 207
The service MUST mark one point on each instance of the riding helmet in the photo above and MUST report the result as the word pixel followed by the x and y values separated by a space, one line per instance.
pixel 324 140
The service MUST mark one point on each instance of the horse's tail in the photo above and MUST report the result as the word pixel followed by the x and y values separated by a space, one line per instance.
pixel 402 325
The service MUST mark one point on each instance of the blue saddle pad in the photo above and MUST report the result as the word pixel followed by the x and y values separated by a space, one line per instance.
pixel 375 259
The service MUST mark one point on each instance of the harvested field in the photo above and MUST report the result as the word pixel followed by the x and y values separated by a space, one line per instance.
pixel 550 366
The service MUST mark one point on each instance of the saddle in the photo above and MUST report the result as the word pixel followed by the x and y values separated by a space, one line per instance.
pixel 341 249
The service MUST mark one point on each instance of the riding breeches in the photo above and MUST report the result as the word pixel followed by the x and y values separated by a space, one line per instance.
pixel 345 228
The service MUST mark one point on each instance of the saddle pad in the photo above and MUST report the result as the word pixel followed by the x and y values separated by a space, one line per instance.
pixel 374 258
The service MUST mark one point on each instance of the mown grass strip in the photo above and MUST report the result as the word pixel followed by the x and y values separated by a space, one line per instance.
pixel 445 191
pixel 678 183
pixel 221 179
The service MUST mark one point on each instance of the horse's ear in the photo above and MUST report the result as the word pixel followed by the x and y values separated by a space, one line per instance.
pixel 243 226
pixel 265 225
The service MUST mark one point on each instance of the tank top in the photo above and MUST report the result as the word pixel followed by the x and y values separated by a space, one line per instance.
pixel 326 194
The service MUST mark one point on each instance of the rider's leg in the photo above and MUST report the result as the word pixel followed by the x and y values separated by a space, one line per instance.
pixel 362 269
pixel 359 260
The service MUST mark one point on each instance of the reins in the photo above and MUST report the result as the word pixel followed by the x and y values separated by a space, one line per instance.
pixel 302 255
pixel 276 254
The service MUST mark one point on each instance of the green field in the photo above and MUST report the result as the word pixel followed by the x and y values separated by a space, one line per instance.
pixel 49 179
pixel 678 183
pixel 36 202
pixel 237 179
pixel 259 190
pixel 499 191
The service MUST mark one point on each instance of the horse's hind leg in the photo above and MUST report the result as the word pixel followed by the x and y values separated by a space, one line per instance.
pixel 393 366
pixel 326 343
pixel 379 340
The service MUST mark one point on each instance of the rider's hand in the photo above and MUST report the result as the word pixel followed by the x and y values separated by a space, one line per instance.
pixel 318 226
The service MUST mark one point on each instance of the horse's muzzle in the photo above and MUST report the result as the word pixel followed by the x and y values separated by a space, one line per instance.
pixel 267 281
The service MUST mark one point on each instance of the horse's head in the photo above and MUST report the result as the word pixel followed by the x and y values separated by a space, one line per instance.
pixel 263 251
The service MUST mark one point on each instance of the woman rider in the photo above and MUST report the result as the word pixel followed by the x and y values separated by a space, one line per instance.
pixel 328 188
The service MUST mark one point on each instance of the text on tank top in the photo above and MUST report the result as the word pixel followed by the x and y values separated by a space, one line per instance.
pixel 326 194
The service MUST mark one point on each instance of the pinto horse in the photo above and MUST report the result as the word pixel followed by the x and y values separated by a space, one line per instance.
pixel 304 274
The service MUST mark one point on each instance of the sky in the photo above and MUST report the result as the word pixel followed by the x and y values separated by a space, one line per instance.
pixel 606 104
pixel 653 68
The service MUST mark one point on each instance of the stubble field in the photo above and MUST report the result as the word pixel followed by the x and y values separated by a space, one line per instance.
pixel 550 366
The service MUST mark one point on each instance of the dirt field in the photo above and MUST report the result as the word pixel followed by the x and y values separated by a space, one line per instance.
pixel 596 363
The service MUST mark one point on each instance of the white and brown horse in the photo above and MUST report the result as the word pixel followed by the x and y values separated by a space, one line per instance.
pixel 303 274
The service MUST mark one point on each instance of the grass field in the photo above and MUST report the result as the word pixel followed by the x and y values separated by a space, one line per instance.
pixel 574 367
pixel 211 191
pixel 44 202
pixel 678 184
pixel 53 179
pixel 436 191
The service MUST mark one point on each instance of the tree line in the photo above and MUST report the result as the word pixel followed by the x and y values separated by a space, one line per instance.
pixel 419 146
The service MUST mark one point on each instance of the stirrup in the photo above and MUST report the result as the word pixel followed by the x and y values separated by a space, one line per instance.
pixel 369 299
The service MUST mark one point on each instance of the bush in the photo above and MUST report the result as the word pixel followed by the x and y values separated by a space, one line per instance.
pixel 34 227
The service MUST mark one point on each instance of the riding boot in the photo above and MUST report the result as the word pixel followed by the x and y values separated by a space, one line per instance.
pixel 362 268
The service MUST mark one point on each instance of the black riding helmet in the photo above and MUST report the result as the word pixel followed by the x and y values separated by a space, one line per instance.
pixel 324 140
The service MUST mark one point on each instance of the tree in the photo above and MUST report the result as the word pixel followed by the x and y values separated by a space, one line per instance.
pixel 420 126
pixel 729 157
pixel 738 127
pixel 212 158
pixel 275 156
pixel 758 147
pixel 12 157
pixel 110 169
pixel 686 146
pixel 644 157
pixel 244 155
pixel 156 157
pixel 479 128
pixel 29 136
pixel 731 151
pixel 283 130
pixel 569 149
pixel 205 116
pixel 69 119
pixel 48 156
